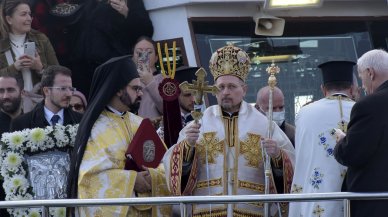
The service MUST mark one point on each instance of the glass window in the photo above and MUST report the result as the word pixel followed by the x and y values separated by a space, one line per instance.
pixel 297 53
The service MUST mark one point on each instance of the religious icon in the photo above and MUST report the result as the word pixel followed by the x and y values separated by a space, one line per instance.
pixel 48 174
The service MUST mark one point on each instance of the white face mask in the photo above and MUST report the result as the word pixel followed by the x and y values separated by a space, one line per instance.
pixel 278 117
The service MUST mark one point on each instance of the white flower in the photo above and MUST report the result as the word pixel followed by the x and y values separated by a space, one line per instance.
pixel 1 154
pixel 50 143
pixel 4 170
pixel 49 129
pixel 72 129
pixel 16 141
pixel 34 212
pixel 20 212
pixel 37 135
pixel 16 185
pixel 28 197
pixel 5 137
pixel 18 181
pixel 58 212
pixel 10 191
pixel 60 136
pixel 33 147
pixel 16 197
pixel 12 161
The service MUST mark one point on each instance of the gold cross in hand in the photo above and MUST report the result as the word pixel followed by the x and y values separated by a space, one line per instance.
pixel 198 88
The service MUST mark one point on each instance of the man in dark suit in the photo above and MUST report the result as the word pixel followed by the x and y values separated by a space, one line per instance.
pixel 57 89
pixel 364 149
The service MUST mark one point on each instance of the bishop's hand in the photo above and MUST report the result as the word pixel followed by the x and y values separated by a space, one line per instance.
pixel 271 147
pixel 192 133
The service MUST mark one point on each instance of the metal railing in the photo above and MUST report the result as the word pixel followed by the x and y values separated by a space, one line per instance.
pixel 184 200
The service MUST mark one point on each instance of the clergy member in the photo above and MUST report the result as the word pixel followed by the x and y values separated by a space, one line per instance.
pixel 222 155
pixel 262 102
pixel 97 169
pixel 316 170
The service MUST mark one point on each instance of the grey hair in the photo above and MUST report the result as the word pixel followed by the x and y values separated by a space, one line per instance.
pixel 376 59
pixel 355 81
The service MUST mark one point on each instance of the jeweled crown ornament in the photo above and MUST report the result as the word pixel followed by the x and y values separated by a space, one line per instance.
pixel 230 60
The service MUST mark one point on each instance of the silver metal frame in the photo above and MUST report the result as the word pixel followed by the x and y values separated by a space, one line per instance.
pixel 184 200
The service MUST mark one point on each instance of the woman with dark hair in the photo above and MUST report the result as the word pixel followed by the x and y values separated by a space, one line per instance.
pixel 15 31
pixel 145 58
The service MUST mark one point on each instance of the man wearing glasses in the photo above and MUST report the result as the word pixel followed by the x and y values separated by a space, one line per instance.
pixel 222 155
pixel 57 90
pixel 97 169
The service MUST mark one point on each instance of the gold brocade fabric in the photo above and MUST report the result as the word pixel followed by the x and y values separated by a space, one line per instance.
pixel 228 161
pixel 102 173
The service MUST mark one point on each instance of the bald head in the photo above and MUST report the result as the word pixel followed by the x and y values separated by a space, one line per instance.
pixel 262 99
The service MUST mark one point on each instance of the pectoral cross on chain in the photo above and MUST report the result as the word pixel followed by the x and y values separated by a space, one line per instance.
pixel 199 87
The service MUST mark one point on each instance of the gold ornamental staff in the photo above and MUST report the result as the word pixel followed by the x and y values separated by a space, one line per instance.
pixel 272 71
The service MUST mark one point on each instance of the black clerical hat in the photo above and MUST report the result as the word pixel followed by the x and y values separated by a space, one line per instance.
pixel 186 73
pixel 337 71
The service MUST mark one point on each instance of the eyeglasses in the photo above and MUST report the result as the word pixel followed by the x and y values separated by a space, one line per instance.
pixel 77 106
pixel 136 88
pixel 64 89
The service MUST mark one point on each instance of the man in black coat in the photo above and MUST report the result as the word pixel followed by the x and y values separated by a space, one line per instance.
pixel 10 107
pixel 57 90
pixel 10 100
pixel 364 149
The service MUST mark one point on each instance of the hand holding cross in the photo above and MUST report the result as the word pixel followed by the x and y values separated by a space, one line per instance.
pixel 199 87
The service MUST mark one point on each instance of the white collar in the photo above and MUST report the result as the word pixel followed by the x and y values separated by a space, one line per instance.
pixel 117 112
pixel 338 93
pixel 49 114
pixel 17 39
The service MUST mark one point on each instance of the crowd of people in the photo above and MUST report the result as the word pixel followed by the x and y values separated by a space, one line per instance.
pixel 111 84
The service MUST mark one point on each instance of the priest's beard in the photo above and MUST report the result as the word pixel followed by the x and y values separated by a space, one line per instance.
pixel 10 106
pixel 133 105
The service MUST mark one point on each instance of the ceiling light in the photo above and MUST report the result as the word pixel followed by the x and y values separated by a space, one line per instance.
pixel 284 4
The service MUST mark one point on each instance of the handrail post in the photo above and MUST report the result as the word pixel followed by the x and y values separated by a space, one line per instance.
pixel 45 211
pixel 183 209
pixel 346 208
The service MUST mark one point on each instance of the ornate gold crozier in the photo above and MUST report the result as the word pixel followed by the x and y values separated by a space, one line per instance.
pixel 272 70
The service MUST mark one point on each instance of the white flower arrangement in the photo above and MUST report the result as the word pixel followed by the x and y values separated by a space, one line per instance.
pixel 13 166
